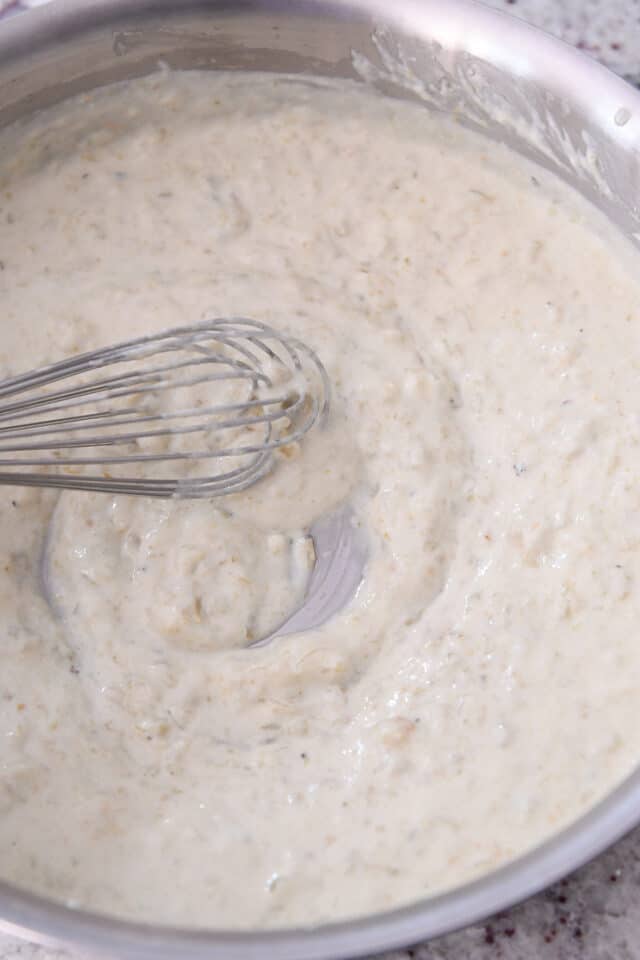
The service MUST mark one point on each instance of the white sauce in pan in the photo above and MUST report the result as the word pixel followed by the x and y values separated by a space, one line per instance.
pixel 482 336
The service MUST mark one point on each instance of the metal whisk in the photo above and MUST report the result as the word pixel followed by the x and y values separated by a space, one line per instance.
pixel 223 396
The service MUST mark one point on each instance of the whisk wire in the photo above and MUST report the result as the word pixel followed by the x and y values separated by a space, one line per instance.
pixel 286 392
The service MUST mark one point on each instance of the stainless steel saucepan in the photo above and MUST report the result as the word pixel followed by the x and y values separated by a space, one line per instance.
pixel 496 74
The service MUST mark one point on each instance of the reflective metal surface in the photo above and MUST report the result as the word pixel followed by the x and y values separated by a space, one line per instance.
pixel 495 74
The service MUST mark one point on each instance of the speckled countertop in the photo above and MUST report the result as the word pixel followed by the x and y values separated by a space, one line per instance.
pixel 595 913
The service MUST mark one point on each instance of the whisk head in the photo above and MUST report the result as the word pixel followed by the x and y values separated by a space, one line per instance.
pixel 198 411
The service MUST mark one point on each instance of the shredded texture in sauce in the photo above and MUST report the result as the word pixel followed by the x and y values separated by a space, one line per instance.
pixel 481 334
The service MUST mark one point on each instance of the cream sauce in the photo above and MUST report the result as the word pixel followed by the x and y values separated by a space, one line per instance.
pixel 481 333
